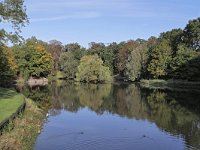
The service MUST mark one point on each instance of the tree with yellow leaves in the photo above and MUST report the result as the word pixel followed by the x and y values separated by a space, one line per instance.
pixel 33 59
pixel 8 65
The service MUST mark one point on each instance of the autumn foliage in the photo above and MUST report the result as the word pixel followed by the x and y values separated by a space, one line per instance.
pixel 8 65
pixel 33 60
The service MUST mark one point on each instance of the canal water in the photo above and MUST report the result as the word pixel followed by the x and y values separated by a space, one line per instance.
pixel 117 117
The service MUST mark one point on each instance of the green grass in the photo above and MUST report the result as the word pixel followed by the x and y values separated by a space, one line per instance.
pixel 10 101
pixel 22 132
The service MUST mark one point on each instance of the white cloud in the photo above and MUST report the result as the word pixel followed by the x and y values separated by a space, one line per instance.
pixel 80 15
pixel 107 7
pixel 51 10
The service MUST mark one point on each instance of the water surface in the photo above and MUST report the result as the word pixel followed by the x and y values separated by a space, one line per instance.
pixel 117 117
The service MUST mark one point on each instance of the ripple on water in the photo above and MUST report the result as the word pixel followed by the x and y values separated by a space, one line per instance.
pixel 97 143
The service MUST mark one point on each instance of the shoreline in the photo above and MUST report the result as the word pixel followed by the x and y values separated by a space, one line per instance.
pixel 170 84
pixel 11 104
pixel 11 118
pixel 21 133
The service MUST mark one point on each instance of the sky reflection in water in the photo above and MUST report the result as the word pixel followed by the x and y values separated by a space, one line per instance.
pixel 118 117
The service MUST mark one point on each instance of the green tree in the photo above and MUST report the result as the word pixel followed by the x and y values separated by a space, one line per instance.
pixel 12 12
pixel 160 58
pixel 152 42
pixel 8 65
pixel 181 60
pixel 75 49
pixel 174 38
pixel 91 69
pixel 79 53
pixel 136 64
pixel 71 47
pixel 123 53
pixel 192 69
pixel 68 65
pixel 33 59
pixel 191 35
pixel 55 47
pixel 114 48
pixel 96 48
pixel 106 53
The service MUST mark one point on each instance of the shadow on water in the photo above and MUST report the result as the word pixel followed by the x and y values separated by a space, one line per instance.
pixel 41 95
pixel 174 112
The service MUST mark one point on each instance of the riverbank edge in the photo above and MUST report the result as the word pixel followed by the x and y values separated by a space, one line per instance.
pixel 21 133
pixel 158 83
pixel 15 114
pixel 148 83
pixel 40 81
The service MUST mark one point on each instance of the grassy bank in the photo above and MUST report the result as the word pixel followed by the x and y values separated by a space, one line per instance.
pixel 23 131
pixel 10 101
pixel 170 83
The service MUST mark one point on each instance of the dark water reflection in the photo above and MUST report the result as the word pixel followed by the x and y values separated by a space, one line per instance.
pixel 118 116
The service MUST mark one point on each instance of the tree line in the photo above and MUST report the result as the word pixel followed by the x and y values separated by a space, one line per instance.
pixel 174 54
pixel 171 111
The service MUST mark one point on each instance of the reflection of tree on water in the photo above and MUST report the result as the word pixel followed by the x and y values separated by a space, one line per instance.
pixel 39 94
pixel 68 97
pixel 92 95
pixel 76 96
pixel 168 110
pixel 132 102
pixel 170 116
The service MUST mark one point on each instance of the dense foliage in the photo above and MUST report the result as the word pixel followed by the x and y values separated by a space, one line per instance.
pixel 68 65
pixel 33 59
pixel 55 48
pixel 12 12
pixel 91 69
pixel 160 58
pixel 174 54
pixel 8 65
pixel 136 64
pixel 191 34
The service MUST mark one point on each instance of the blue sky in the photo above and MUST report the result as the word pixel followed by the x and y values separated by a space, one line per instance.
pixel 84 21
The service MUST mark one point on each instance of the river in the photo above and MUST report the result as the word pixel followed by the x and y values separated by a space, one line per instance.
pixel 117 117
